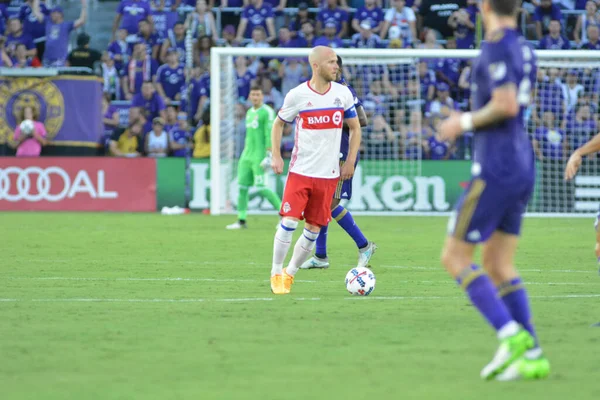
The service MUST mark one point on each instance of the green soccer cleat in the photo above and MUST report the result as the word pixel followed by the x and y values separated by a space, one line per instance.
pixel 526 369
pixel 511 349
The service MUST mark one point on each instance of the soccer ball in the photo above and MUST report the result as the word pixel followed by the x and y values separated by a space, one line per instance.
pixel 27 127
pixel 360 281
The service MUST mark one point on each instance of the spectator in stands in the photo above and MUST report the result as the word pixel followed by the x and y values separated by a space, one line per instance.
pixel 285 39
pixel 442 106
pixel 549 142
pixel 435 148
pixel 110 115
pixel 374 102
pixel 15 35
pixel 127 142
pixel 448 70
pixel 157 140
pixel 431 44
pixel 434 15
pixel 427 81
pixel 170 117
pixel 175 39
pixel 380 140
pixel 572 90
pixel 464 87
pixel 29 144
pixel 329 38
pixel 151 105
pixel 129 15
pixel 292 73
pixel 592 43
pixel 83 55
pixel 202 137
pixel 549 97
pixel 463 22
pixel 147 35
pixel 366 39
pixel 590 17
pixel 2 22
pixel 170 78
pixel 202 22
pixel 202 52
pixel 372 15
pixel 544 13
pixel 412 137
pixel 36 29
pixel 118 50
pixel 333 14
pixel 5 60
pixel 272 73
pixel 258 42
pixel 581 128
pixel 229 36
pixel 57 33
pixel 554 40
pixel 200 94
pixel 404 18
pixel 256 14
pixel 271 94
pixel 307 37
pixel 111 80
pixel 301 18
pixel 245 77
pixel 141 68
pixel 179 136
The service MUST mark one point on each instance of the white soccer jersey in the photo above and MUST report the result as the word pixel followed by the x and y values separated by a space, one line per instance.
pixel 319 120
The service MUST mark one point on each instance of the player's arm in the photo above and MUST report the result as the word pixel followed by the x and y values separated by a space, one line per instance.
pixel 592 146
pixel 502 106
pixel 35 10
pixel 362 116
pixel 82 16
pixel 355 137
pixel 276 134
pixel 268 121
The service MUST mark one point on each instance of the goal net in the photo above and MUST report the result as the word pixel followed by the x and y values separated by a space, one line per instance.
pixel 404 167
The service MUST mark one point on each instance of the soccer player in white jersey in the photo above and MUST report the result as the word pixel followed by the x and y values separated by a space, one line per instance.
pixel 319 108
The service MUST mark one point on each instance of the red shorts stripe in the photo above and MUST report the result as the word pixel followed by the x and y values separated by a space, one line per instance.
pixel 308 198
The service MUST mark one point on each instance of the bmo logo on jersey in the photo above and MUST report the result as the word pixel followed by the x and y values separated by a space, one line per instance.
pixel 330 118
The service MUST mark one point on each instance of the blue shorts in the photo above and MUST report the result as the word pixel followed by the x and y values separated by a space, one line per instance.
pixel 486 207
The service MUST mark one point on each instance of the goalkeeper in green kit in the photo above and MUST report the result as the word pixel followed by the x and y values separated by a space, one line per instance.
pixel 256 157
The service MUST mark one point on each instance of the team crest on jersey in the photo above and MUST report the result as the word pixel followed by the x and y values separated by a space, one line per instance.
pixel 337 102
pixel 286 207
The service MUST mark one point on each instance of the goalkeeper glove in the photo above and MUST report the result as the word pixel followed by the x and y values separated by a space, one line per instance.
pixel 266 162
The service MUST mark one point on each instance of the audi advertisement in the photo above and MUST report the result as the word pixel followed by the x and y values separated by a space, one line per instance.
pixel 77 184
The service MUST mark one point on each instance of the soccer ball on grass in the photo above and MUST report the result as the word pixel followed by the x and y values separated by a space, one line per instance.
pixel 360 281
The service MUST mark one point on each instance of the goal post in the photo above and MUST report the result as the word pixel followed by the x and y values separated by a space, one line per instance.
pixel 396 179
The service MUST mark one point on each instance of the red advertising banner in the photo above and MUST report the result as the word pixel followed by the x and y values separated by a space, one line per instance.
pixel 77 184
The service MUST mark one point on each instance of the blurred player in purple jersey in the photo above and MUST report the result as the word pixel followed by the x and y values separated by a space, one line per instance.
pixel 491 209
pixel 592 146
pixel 366 249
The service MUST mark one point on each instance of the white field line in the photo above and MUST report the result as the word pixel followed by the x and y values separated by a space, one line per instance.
pixel 445 281
pixel 260 299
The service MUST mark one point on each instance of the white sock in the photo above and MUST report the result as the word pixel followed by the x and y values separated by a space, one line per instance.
pixel 281 246
pixel 508 330
pixel 302 250
pixel 533 353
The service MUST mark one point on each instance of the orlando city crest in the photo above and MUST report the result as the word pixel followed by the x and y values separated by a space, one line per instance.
pixel 38 93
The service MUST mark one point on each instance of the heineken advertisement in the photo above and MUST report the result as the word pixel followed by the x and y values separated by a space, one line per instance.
pixel 378 186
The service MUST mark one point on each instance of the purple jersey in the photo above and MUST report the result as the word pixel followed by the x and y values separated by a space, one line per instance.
pixel 151 108
pixel 465 37
pixel 140 71
pixel 550 98
pixel 579 132
pixel 132 12
pixel 373 42
pixel 427 81
pixel 373 16
pixel 545 15
pixel 109 129
pixel 257 17
pixel 450 67
pixel 437 150
pixel 549 43
pixel 243 84
pixel 198 88
pixel 151 41
pixel 12 42
pixel 122 49
pixel 335 43
pixel 179 45
pixel 57 41
pixel 171 79
pixel 31 24
pixel 179 136
pixel 335 16
pixel 590 46
pixel 551 142
pixel 503 151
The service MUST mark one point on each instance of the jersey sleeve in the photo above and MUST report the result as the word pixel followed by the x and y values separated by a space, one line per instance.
pixel 349 105
pixel 501 65
pixel 289 111
pixel 269 118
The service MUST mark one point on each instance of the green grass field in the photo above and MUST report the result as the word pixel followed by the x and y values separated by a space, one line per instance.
pixel 118 306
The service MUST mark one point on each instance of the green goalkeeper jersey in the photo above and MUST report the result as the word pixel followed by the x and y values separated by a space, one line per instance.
pixel 258 133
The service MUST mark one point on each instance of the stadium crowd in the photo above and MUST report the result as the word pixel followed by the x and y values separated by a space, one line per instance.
pixel 166 84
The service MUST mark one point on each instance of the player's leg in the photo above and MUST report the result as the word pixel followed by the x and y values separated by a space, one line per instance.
pixel 475 222
pixel 295 198
pixel 317 214
pixel 245 180
pixel 261 182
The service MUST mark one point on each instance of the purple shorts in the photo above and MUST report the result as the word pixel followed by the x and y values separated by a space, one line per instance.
pixel 486 207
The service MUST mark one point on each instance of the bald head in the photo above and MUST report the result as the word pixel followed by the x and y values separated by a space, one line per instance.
pixel 323 62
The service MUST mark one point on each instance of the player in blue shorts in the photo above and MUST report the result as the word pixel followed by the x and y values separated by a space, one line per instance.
pixel 592 146
pixel 491 209
pixel 344 191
